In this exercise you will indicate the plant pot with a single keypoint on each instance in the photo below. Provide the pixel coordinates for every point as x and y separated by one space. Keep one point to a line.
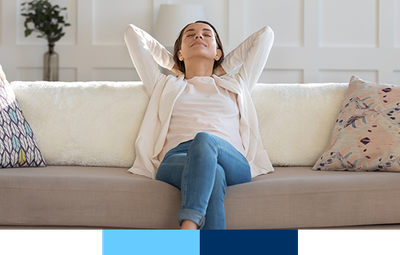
50 65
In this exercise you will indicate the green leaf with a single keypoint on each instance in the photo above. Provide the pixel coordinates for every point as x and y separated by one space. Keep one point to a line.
28 32
45 18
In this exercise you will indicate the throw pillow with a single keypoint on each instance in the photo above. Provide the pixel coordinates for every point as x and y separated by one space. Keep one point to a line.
18 147
366 136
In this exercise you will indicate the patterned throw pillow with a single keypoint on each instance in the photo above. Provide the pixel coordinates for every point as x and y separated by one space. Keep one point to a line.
18 146
366 136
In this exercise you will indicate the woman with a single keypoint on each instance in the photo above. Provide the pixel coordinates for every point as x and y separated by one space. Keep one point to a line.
200 131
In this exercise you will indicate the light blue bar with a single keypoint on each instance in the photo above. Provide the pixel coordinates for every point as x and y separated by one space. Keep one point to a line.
149 242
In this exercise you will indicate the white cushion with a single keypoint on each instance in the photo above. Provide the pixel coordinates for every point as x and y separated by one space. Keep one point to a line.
96 123
296 120
84 123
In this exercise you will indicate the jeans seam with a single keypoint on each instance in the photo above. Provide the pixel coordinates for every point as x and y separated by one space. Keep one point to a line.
183 188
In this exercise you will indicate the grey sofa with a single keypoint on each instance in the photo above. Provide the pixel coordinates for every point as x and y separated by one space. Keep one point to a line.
86 132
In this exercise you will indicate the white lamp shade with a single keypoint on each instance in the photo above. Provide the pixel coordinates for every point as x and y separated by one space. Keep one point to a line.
172 18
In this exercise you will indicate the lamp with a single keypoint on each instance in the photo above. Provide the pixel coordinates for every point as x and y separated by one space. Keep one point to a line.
172 18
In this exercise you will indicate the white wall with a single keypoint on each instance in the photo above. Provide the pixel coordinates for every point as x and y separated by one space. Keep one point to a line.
315 40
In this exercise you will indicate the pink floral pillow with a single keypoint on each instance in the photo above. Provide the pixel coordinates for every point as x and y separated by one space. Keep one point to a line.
366 136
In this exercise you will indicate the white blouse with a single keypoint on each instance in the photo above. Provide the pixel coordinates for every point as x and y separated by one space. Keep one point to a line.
204 107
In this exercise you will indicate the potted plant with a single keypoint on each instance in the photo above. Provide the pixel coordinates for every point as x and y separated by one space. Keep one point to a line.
48 21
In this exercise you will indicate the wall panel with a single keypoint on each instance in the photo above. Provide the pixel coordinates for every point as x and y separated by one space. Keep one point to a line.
396 78
282 76
115 74
345 75
285 17
1 21
110 18
349 23
315 40
36 74
397 24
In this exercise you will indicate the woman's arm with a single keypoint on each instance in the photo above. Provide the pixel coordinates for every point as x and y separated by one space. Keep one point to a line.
251 56
146 52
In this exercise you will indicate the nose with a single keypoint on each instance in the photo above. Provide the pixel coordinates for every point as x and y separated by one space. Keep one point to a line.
199 36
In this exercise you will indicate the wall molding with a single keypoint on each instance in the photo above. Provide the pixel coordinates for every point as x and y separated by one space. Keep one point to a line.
305 49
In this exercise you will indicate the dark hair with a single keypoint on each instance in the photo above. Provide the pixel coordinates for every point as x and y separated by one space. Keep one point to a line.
178 43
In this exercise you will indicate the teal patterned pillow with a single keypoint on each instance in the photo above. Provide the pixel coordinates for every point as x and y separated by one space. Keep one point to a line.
18 147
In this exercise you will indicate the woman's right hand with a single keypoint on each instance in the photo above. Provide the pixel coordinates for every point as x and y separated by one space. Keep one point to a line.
175 69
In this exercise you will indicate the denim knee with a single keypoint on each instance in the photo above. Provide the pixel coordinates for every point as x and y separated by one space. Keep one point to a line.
204 144
203 137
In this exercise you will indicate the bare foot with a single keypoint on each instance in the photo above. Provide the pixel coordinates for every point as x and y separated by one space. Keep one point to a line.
188 224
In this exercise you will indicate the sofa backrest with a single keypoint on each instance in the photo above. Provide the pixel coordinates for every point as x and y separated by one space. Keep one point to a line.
296 120
96 123
84 123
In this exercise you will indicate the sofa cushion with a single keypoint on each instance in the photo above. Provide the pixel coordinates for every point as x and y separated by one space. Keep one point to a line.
104 197
84 123
96 123
297 197
86 196
18 146
366 136
296 120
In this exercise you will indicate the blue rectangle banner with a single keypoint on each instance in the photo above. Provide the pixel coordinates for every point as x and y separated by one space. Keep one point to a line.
199 242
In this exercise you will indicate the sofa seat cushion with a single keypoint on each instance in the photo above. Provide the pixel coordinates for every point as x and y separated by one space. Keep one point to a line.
86 196
297 197
291 197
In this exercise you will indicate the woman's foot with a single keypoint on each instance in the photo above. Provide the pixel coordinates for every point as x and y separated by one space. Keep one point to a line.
188 224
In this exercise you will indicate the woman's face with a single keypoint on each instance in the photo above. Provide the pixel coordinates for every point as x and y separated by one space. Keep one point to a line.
198 41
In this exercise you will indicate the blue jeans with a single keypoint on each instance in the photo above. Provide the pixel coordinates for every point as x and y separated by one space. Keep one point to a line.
202 168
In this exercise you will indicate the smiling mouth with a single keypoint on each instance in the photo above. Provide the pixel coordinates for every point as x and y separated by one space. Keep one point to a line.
198 43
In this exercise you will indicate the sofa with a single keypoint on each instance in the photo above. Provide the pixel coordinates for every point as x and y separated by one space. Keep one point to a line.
86 133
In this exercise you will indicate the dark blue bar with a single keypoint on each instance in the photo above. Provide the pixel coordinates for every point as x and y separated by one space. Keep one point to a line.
282 242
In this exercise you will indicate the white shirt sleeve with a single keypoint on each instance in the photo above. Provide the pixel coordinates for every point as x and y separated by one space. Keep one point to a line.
146 54
250 56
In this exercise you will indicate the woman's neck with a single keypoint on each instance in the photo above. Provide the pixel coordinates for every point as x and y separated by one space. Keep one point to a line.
198 68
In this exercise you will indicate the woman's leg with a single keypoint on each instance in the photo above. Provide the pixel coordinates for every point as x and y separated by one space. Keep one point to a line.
215 213
171 169
202 175
212 165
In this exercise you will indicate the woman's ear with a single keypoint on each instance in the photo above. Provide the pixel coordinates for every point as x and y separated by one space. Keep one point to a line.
218 55
180 57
